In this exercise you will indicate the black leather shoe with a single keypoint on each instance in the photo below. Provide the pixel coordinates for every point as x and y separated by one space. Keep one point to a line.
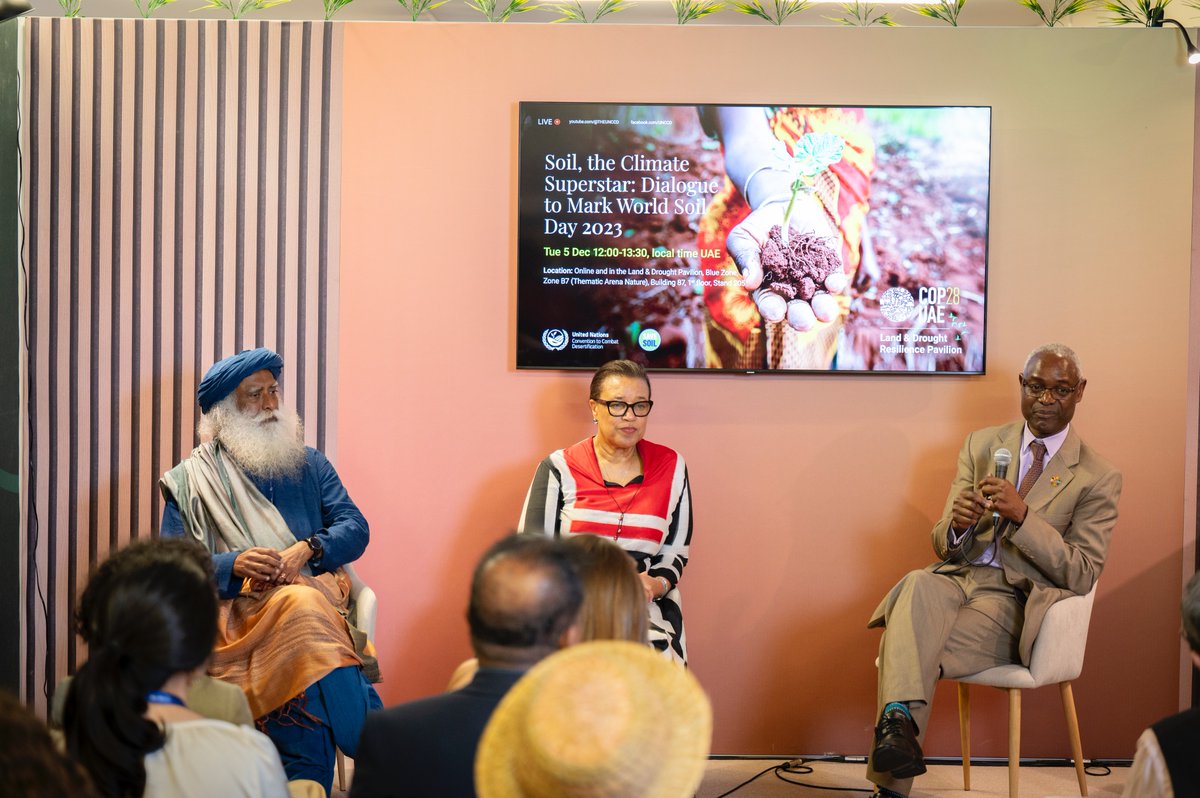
896 748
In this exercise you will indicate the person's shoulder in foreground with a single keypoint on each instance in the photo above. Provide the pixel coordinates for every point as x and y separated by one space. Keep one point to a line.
524 604
1165 764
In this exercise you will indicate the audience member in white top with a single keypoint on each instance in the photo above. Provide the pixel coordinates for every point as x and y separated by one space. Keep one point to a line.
204 757
1166 764
149 616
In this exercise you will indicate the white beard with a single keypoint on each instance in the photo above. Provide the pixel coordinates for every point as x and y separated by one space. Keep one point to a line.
265 448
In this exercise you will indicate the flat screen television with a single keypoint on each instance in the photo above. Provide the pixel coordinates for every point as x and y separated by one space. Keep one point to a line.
753 238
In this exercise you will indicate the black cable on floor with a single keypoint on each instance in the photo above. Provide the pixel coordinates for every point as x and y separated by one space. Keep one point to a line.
747 781
794 767
801 766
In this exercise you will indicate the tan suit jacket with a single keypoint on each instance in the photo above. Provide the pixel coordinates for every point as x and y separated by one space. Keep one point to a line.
1060 548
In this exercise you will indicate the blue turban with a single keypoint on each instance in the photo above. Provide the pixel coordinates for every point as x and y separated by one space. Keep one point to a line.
226 375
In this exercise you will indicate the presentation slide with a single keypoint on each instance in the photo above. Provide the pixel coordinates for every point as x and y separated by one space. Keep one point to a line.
753 238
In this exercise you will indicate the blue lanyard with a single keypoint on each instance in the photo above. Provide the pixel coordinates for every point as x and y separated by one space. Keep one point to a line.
159 697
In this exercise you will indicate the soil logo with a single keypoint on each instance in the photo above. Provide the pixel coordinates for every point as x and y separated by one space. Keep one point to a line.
897 304
555 340
649 339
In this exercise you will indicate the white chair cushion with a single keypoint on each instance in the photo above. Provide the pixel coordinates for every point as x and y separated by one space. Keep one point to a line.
1057 652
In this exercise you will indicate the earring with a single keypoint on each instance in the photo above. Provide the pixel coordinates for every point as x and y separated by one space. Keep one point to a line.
595 420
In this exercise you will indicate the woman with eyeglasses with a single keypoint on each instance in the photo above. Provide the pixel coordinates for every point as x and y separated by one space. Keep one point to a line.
623 487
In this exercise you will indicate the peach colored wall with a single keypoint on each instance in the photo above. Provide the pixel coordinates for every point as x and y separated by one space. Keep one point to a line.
812 494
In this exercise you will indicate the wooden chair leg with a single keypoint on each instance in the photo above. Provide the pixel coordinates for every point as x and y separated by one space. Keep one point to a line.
1068 702
341 769
1014 742
964 730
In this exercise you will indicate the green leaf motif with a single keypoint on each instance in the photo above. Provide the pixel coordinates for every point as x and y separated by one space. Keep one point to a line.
573 10
1056 13
863 15
1139 12
416 8
501 10
688 10
236 8
776 12
816 152
945 10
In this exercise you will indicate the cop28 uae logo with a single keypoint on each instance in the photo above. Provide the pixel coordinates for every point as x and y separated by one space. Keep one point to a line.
554 340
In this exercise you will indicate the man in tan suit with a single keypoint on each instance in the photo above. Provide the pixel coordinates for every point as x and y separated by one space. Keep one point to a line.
1010 549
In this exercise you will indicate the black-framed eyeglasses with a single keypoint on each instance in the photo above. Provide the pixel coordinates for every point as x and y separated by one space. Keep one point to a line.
617 409
1035 390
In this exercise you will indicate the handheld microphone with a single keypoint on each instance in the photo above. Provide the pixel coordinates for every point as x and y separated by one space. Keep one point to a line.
1000 462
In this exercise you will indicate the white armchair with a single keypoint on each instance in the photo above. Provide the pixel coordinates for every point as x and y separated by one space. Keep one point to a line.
366 606
1057 658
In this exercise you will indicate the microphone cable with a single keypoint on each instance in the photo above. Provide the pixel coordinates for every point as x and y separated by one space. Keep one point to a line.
795 767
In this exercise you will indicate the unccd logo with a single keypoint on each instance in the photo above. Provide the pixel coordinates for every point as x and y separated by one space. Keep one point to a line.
554 340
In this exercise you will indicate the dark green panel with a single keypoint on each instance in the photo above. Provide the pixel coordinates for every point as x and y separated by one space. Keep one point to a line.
10 358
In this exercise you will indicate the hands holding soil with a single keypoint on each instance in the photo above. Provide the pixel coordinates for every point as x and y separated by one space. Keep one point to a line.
796 280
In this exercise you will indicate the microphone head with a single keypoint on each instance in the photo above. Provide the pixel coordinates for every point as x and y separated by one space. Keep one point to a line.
1002 457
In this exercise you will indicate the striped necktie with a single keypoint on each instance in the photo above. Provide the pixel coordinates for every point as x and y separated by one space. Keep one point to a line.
1038 450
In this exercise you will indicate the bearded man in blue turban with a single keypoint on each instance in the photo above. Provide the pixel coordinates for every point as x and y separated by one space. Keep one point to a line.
280 525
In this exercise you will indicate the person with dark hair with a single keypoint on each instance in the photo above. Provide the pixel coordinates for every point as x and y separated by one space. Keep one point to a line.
614 604
525 599
279 525
618 485
1011 546
207 696
1165 765
150 615
31 766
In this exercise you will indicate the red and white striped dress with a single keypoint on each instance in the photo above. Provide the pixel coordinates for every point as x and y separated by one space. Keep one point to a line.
651 518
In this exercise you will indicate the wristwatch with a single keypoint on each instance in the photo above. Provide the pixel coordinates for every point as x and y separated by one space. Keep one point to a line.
314 545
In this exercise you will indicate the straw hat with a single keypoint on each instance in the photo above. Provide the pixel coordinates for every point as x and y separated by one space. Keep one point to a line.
599 719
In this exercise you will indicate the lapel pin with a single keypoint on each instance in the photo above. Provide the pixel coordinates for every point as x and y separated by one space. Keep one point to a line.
1056 480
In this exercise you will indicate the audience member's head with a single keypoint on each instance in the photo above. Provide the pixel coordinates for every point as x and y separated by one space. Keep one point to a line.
525 599
605 718
31 765
614 603
1190 610
148 613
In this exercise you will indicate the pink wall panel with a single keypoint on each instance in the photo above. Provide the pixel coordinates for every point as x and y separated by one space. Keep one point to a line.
812 495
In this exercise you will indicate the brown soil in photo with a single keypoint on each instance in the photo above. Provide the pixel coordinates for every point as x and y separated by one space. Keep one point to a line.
927 227
797 269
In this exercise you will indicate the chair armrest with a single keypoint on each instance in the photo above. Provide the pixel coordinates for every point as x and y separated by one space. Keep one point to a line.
366 605
1058 650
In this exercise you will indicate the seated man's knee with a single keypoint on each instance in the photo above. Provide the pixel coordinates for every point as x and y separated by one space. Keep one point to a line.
302 599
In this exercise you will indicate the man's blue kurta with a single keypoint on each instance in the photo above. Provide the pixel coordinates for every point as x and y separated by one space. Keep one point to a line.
312 503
